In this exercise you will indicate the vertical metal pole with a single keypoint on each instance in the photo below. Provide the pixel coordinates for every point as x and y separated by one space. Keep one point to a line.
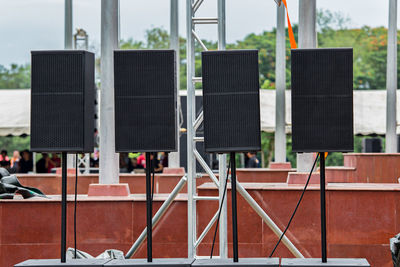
280 74
307 24
34 162
223 219
149 208
307 39
234 208
221 25
68 24
391 80
323 206
191 163
68 44
173 158
109 160
63 205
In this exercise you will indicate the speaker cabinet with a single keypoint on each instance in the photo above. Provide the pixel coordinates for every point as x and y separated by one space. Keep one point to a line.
322 100
372 145
62 101
145 101
231 101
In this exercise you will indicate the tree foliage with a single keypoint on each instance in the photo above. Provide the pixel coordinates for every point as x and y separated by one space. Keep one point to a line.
15 77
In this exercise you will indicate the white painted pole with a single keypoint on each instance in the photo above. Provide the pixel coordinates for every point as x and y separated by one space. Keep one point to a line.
68 44
68 24
190 118
391 80
109 160
223 219
280 81
307 39
173 158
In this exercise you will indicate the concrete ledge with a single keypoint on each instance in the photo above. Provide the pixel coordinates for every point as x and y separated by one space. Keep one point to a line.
115 190
301 178
243 262
280 165
164 262
168 170
70 171
68 263
331 262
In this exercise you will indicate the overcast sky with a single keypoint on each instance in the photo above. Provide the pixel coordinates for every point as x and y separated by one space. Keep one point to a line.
38 24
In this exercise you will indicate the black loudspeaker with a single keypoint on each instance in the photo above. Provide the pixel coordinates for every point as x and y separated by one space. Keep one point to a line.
145 100
372 145
231 101
322 100
62 101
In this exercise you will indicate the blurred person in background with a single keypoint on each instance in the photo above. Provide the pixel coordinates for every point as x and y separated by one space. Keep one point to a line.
26 162
252 161
124 163
14 162
141 160
164 159
54 162
133 162
4 160
42 166
135 165
94 161
156 164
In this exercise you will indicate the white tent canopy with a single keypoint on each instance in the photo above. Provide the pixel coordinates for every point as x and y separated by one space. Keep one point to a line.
369 111
15 106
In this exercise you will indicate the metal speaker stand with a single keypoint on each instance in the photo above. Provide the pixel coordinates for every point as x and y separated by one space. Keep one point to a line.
234 208
149 208
63 206
323 206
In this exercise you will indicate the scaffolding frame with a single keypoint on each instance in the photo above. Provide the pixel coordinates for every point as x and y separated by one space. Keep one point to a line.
193 124
193 155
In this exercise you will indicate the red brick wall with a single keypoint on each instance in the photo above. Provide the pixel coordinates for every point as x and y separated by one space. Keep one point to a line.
360 219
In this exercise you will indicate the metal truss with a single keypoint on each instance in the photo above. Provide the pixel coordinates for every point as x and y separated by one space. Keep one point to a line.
193 124
193 155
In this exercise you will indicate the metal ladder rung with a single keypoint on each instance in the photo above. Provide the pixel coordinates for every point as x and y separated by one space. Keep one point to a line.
205 20
205 198
197 79
198 139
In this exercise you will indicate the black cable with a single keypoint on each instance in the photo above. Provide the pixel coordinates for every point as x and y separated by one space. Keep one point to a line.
297 206
220 208
76 196
152 173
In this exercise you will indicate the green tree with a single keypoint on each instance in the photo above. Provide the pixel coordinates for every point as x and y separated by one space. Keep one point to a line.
15 77
11 143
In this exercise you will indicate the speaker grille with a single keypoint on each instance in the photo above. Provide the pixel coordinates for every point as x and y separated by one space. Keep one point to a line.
231 101
145 100
62 100
322 100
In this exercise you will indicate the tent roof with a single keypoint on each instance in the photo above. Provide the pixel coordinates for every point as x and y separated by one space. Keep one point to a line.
15 108
369 111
